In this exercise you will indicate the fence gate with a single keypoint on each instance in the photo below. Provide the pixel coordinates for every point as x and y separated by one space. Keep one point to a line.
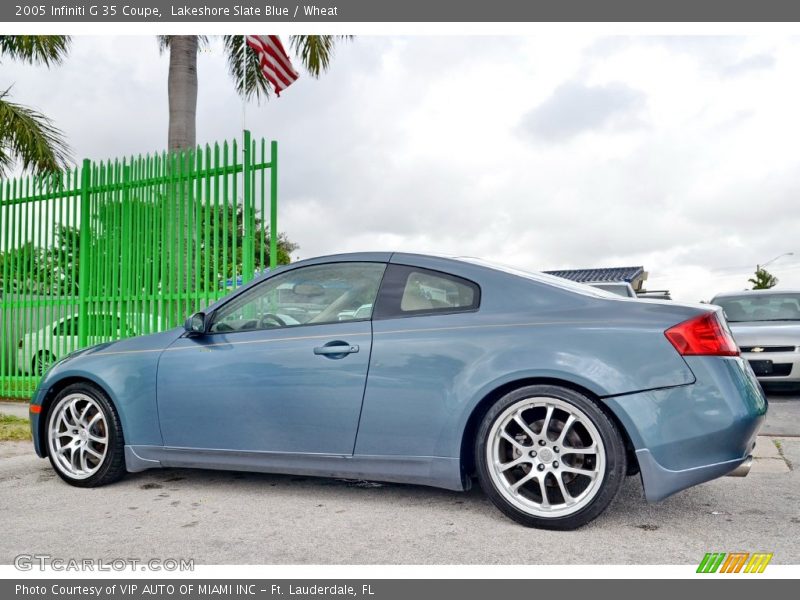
127 247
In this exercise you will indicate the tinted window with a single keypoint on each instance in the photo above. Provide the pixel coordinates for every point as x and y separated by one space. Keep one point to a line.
760 307
306 296
410 291
68 327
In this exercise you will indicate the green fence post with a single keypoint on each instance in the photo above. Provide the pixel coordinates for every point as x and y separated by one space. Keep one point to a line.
273 205
248 235
83 259
127 262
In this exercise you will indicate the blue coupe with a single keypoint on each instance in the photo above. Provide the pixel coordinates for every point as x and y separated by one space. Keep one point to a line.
417 369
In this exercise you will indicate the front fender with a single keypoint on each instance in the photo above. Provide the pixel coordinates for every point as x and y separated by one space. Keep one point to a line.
126 371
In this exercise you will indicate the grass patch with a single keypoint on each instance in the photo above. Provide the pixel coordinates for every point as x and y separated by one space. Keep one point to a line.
14 429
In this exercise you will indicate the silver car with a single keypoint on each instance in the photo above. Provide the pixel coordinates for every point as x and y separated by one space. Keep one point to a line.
766 326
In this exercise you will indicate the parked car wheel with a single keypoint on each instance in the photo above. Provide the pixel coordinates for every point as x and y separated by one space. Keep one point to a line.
84 437
42 362
549 457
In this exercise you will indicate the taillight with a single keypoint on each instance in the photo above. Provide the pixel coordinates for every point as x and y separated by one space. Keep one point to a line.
704 335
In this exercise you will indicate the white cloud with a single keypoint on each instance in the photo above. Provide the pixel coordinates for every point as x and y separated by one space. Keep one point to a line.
575 108
675 153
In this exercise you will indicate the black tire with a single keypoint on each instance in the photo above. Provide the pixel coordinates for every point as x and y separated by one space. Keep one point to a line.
112 467
42 362
614 457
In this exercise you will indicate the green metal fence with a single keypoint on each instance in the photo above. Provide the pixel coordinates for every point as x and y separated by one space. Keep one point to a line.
127 247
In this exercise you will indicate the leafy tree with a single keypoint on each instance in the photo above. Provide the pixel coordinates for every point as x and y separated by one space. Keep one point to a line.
763 279
55 271
221 220
221 247
43 271
28 137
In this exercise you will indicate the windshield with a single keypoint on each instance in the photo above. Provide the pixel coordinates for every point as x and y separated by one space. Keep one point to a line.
758 307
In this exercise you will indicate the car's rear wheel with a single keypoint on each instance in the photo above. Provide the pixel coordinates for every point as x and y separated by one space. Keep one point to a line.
84 437
549 457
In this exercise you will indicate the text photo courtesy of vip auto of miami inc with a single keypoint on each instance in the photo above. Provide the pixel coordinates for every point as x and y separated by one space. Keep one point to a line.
396 297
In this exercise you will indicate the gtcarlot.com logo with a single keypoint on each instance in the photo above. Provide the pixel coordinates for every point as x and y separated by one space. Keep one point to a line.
734 562
42 562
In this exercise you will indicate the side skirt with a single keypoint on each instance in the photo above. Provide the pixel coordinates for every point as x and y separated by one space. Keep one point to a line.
434 471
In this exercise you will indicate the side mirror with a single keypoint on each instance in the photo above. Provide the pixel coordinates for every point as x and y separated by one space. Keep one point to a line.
196 324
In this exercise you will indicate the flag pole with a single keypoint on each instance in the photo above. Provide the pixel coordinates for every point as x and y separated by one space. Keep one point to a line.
247 268
244 81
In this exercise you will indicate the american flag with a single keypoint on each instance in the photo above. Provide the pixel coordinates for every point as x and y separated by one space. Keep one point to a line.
274 61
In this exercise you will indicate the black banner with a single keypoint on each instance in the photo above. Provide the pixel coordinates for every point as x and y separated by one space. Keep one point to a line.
198 11
387 589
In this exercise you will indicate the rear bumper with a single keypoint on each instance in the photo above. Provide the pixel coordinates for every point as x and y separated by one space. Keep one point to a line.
693 433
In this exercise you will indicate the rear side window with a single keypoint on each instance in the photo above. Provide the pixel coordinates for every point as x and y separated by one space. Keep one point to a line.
410 291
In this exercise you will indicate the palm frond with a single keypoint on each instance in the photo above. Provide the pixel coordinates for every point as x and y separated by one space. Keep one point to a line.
30 138
243 60
315 51
35 49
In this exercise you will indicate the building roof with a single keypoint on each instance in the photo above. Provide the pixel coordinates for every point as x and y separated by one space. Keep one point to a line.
607 274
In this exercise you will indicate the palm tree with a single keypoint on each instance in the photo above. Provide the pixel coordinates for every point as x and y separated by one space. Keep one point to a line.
763 279
313 51
27 137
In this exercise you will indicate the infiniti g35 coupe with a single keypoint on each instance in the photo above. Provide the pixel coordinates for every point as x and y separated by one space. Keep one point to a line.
423 370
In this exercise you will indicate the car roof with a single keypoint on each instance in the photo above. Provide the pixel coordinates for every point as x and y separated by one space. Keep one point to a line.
434 261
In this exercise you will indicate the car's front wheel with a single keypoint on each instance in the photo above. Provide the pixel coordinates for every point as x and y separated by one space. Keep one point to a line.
549 457
84 437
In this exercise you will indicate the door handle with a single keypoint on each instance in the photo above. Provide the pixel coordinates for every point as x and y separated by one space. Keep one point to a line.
336 349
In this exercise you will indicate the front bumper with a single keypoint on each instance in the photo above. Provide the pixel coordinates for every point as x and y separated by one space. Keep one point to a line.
785 367
38 442
693 433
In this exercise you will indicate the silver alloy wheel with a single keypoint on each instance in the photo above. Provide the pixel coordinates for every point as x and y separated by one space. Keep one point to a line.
546 457
78 436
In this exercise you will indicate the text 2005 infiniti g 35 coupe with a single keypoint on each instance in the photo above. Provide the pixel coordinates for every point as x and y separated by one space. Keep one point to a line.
417 369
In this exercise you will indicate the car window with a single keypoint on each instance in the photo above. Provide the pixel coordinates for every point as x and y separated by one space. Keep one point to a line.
306 296
410 291
619 289
760 307
69 327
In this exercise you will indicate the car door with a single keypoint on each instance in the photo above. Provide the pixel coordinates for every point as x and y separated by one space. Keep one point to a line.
425 348
282 367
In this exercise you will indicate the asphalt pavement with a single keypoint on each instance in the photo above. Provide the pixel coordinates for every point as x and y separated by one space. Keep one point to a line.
242 518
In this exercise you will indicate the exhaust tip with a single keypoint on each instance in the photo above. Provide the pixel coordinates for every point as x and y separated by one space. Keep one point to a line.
743 469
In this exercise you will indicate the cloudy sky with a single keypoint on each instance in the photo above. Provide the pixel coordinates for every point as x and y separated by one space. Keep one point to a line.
676 153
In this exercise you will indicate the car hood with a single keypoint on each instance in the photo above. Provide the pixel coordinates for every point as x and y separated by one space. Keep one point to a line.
155 341
770 333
